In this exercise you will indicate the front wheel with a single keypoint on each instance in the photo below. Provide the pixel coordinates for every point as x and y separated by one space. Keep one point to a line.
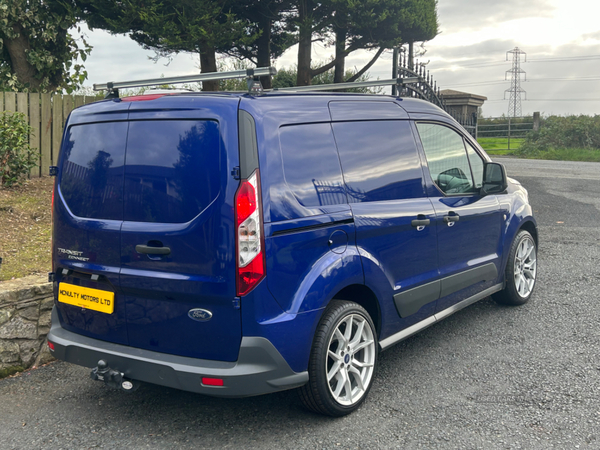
521 271
342 361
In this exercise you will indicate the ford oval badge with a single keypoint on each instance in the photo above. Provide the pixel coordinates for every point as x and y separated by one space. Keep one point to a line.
201 315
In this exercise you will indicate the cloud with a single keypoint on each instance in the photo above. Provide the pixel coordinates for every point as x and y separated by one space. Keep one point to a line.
457 15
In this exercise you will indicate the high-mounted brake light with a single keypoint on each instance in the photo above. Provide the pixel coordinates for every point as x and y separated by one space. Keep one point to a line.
250 264
142 98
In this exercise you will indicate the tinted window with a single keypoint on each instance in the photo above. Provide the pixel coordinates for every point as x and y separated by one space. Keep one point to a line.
172 170
311 165
446 158
379 160
92 171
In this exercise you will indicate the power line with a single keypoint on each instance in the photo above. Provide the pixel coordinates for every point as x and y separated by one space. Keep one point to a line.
529 100
530 80
551 59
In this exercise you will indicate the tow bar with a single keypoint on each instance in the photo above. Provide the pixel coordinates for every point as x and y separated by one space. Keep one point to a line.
113 378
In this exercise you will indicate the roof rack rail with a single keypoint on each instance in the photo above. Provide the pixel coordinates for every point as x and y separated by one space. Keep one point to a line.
250 74
350 85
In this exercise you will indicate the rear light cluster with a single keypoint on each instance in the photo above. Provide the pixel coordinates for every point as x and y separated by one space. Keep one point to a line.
250 262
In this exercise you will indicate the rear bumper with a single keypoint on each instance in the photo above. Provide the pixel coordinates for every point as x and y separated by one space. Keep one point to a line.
260 368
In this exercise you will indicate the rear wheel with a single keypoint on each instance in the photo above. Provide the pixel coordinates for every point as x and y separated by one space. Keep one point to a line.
342 361
521 271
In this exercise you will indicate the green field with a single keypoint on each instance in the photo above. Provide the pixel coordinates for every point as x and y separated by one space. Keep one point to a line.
498 145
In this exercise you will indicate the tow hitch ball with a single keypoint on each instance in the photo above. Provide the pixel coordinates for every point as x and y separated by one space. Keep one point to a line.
113 378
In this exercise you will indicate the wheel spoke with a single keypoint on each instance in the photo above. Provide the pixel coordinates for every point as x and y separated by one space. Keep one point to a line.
348 331
362 345
525 286
357 376
361 364
341 382
340 337
334 356
348 387
335 369
358 335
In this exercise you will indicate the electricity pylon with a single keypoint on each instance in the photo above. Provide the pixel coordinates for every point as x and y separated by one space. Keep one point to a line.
515 90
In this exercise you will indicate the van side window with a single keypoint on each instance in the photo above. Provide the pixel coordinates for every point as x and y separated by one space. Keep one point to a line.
379 160
311 165
447 158
172 169
476 165
92 170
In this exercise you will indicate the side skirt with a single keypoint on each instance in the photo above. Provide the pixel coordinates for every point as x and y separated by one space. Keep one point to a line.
407 332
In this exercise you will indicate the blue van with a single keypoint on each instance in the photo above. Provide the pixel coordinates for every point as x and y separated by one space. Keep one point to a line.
237 244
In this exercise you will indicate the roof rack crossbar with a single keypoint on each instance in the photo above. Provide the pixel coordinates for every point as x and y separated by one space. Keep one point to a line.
354 84
212 76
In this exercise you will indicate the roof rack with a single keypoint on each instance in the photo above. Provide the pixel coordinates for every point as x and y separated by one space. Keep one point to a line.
250 74
350 85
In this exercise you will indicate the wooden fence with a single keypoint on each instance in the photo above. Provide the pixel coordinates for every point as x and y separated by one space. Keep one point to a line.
46 114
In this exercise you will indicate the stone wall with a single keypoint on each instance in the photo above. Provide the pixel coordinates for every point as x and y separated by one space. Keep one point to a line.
25 309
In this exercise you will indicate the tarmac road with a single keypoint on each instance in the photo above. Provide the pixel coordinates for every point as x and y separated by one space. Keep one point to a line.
487 377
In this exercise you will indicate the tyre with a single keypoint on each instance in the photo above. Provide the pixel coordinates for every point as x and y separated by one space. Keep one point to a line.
342 361
521 271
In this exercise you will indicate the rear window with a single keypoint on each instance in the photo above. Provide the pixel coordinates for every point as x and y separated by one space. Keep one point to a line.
172 170
146 171
92 173
311 164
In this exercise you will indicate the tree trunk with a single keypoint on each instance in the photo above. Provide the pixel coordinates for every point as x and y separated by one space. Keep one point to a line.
264 50
208 63
367 66
340 55
17 50
304 42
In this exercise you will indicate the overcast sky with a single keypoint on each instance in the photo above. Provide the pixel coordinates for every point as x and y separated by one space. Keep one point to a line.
561 39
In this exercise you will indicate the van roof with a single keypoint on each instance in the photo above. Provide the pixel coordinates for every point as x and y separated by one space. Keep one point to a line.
410 105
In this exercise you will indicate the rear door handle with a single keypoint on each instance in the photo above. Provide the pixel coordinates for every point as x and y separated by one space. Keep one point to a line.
147 250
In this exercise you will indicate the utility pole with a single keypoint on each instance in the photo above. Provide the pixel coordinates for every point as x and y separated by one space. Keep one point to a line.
395 68
515 90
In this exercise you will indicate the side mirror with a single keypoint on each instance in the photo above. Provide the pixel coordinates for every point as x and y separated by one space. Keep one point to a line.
494 179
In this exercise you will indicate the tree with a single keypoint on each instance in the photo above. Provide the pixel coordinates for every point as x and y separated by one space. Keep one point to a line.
264 20
37 53
361 24
172 26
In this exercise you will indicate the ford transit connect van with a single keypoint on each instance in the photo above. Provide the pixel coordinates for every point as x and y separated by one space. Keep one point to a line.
237 244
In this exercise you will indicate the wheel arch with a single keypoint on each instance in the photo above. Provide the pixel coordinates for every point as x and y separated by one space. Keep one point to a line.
365 297
531 228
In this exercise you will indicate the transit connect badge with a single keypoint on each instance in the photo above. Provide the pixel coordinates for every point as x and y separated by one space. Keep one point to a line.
201 315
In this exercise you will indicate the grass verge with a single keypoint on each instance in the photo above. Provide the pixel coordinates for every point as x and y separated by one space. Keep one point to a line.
26 228
565 154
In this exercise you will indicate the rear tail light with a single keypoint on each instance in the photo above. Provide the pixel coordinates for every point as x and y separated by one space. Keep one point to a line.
250 264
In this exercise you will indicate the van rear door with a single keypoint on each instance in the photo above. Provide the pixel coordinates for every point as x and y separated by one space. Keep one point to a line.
177 241
87 219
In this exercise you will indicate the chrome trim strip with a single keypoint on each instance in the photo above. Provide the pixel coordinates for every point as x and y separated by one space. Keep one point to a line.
407 332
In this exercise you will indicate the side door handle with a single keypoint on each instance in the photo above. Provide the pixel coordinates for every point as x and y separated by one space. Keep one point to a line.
420 222
451 217
147 250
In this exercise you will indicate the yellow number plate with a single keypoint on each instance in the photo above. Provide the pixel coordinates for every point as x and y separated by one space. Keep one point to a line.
88 298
